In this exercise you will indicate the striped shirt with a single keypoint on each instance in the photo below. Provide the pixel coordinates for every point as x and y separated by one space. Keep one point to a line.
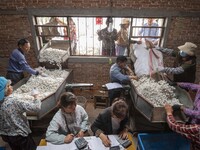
192 132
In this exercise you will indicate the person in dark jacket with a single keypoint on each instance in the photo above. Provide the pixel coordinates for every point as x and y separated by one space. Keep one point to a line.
108 36
113 120
184 69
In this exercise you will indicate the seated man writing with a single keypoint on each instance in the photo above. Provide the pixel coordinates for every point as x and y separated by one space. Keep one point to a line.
113 120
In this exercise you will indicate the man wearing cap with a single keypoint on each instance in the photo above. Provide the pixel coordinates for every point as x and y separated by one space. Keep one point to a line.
122 41
17 62
14 126
184 69
108 36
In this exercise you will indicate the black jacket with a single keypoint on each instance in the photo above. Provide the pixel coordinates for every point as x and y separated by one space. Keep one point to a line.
104 123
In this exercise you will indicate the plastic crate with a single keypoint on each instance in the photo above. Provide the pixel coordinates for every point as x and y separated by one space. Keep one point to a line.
162 141
81 100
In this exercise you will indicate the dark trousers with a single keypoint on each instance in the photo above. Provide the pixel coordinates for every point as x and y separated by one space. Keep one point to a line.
14 76
114 93
19 142
120 92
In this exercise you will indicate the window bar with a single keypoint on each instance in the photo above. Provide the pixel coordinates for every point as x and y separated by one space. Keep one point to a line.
38 38
162 30
93 35
86 35
68 33
78 36
100 43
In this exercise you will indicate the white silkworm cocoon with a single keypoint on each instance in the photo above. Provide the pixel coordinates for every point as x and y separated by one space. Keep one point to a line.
45 85
52 55
157 93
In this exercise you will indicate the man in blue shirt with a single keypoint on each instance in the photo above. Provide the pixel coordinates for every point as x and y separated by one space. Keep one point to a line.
151 31
18 64
120 73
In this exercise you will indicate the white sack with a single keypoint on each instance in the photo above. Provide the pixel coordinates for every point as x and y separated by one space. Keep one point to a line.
145 60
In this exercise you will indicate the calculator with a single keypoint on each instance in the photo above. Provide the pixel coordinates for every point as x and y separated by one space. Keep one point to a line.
125 143
115 148
81 143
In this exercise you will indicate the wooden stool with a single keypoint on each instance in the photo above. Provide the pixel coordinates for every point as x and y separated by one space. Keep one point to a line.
43 142
101 99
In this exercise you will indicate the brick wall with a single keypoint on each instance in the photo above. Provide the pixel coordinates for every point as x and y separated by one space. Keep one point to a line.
13 28
183 5
14 24
96 73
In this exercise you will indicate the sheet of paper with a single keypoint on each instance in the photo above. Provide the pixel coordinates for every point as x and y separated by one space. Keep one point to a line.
70 146
114 85
113 139
42 148
94 143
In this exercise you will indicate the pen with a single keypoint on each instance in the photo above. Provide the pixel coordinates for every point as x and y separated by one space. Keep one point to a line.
109 141
89 148
108 138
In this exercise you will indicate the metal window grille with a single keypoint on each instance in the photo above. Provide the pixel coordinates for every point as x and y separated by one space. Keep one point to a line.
80 33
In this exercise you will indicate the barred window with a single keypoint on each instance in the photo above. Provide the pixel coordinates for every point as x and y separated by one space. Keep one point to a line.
148 28
78 35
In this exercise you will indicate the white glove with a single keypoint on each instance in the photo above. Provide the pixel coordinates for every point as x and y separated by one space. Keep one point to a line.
34 92
40 69
43 74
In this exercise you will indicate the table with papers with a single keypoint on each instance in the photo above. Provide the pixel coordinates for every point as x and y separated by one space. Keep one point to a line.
94 143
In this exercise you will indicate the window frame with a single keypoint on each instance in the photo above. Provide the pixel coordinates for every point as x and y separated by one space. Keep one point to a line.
96 13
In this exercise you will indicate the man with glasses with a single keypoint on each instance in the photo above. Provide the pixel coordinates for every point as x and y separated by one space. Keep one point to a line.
122 74
184 68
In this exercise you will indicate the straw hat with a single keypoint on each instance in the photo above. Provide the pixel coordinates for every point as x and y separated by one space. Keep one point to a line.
189 48
125 21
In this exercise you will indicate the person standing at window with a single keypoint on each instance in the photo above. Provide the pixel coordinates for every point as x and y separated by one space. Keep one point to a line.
50 30
148 30
108 36
123 41
17 62
72 33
